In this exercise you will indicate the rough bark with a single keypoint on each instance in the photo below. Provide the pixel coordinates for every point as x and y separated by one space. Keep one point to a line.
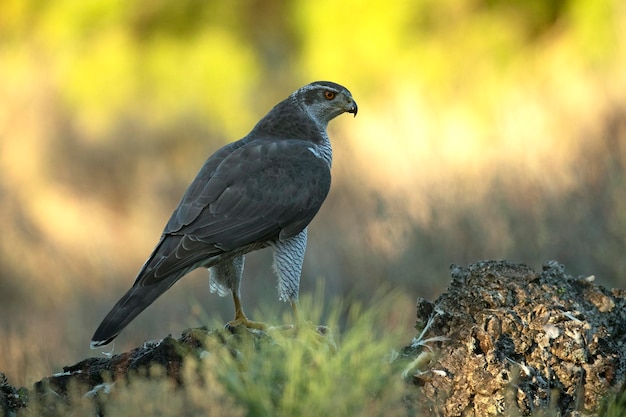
517 341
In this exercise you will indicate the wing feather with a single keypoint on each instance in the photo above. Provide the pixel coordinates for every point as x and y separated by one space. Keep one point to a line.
262 191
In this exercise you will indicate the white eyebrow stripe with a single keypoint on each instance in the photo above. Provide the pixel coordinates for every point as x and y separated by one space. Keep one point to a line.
314 86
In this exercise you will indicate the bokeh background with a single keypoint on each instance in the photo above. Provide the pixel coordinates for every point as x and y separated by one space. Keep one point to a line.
487 129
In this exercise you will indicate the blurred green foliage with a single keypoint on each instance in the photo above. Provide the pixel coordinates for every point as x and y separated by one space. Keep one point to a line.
279 373
487 129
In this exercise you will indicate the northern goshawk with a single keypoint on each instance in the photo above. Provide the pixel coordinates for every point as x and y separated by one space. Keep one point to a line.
260 191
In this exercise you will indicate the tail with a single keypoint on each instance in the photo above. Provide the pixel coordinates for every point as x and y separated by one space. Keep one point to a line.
172 258
136 300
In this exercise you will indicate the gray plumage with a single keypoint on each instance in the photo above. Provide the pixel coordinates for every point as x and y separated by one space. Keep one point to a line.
260 191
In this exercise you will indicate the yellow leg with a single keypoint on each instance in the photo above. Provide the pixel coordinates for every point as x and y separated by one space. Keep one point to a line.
296 317
241 319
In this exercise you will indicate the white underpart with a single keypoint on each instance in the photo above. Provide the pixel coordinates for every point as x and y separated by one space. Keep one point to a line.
225 277
288 258
323 151
216 287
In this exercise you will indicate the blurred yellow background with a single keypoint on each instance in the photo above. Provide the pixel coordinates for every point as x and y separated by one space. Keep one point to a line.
487 129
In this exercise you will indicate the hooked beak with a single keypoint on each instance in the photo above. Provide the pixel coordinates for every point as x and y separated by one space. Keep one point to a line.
351 107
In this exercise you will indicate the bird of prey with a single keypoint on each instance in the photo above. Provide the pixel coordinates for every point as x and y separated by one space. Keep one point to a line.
260 191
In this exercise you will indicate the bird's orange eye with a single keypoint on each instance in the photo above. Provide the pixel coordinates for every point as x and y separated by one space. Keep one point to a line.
329 94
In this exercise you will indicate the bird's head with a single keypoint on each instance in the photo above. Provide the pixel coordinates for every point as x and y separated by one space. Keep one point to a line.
325 100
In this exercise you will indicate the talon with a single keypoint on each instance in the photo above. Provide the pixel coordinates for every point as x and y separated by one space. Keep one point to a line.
243 321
